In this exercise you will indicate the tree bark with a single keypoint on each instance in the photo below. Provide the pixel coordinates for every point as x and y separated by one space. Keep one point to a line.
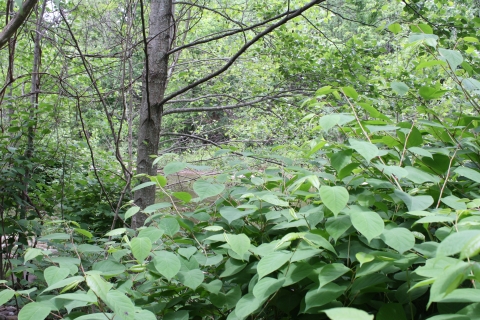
154 83
16 22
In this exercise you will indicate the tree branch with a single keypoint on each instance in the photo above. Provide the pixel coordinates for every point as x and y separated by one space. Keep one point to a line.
16 22
240 52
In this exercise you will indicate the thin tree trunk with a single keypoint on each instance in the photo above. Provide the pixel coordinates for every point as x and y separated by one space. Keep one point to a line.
154 82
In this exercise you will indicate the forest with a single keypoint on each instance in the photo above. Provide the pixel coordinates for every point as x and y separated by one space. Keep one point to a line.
240 159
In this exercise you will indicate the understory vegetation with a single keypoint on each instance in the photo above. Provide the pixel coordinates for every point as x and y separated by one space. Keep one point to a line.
332 171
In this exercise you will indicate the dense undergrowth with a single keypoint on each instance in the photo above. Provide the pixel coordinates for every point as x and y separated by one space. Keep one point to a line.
373 218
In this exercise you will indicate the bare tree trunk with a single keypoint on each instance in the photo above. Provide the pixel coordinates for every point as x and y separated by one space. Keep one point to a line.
154 82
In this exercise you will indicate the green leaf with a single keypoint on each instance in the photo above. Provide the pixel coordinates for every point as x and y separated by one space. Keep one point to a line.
368 223
449 317
247 305
151 233
429 39
400 239
350 92
329 121
454 203
120 304
238 243
453 57
109 268
347 314
421 28
337 226
32 253
363 257
365 149
428 64
206 189
34 311
331 272
116 232
187 252
54 274
91 298
272 262
340 159
471 248
141 248
391 311
468 173
334 198
214 286
231 213
98 285
417 203
184 196
84 232
89 248
232 266
399 87
177 315
321 296
451 278
395 28
6 295
430 93
456 242
64 283
420 151
267 286
419 177
174 167
192 278
167 264
169 226
273 199
144 185
131 212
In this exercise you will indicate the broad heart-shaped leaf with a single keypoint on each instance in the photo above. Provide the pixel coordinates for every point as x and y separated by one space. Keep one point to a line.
453 57
266 287
368 223
214 286
273 199
334 198
192 278
347 314
174 167
329 121
247 305
340 159
414 203
167 264
6 295
399 87
187 252
331 272
64 283
169 226
468 173
395 28
34 311
238 243
337 226
317 297
54 274
231 213
400 239
141 248
32 253
272 261
364 148
454 203
456 242
120 304
206 189
152 233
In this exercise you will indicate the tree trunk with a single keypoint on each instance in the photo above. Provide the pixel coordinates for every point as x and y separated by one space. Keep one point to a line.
154 83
